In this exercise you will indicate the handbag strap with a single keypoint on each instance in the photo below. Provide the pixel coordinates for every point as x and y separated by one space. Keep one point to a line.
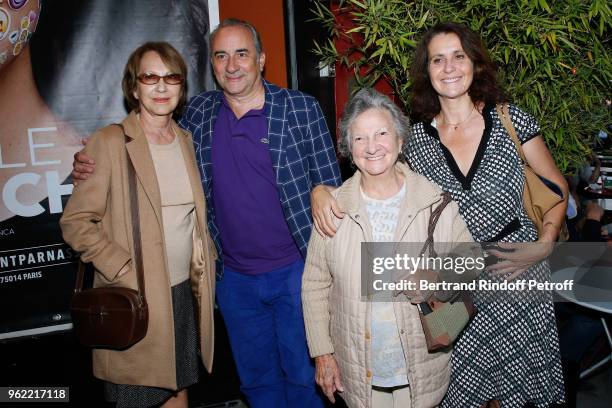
503 111
135 232
78 285
135 222
433 221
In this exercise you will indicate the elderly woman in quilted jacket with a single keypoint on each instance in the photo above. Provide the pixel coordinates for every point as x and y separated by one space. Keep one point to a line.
374 353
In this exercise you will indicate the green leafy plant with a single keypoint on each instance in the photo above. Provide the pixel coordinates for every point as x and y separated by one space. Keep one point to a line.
553 55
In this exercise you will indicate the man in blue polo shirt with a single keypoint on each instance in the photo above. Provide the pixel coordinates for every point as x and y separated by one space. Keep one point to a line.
261 149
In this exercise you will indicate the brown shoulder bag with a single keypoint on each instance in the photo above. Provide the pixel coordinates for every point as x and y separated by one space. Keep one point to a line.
538 197
113 317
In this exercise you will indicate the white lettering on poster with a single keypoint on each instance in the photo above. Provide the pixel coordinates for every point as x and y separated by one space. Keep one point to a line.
7 231
54 189
34 146
33 257
8 165
20 277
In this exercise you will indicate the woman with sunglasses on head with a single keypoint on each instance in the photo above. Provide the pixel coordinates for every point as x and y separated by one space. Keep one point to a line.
178 253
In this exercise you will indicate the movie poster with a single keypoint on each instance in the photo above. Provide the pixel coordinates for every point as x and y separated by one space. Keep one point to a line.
61 63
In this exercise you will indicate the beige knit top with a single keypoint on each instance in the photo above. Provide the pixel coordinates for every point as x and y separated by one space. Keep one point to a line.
178 207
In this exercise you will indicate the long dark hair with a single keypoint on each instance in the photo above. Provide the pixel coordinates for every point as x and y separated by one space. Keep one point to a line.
485 88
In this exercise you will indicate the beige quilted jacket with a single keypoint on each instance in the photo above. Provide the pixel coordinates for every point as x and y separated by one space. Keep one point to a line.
338 320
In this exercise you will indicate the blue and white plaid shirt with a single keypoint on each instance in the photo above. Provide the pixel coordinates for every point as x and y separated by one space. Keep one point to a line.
300 146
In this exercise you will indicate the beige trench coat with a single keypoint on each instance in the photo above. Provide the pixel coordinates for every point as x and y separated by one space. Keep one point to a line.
338 321
97 223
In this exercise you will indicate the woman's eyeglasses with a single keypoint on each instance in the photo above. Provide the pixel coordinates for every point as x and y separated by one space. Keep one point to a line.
152 79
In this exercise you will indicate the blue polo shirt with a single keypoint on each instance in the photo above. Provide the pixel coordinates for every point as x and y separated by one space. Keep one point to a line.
253 230
300 146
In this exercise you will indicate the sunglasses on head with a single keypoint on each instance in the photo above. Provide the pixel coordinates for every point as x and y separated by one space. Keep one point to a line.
152 79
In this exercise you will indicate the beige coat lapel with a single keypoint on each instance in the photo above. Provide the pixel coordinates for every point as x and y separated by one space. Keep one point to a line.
194 176
138 150
202 262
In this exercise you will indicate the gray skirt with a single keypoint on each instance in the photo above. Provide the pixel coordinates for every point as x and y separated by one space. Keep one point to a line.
187 360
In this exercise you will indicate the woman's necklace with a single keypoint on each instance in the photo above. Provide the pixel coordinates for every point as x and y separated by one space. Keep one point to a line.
456 125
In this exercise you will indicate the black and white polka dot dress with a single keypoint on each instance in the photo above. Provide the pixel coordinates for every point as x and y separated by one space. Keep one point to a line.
510 351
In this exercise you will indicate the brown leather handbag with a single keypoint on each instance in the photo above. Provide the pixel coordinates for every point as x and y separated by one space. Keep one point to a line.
113 317
443 322
538 194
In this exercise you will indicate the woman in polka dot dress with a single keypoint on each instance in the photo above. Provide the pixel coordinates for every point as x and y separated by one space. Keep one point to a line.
509 354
